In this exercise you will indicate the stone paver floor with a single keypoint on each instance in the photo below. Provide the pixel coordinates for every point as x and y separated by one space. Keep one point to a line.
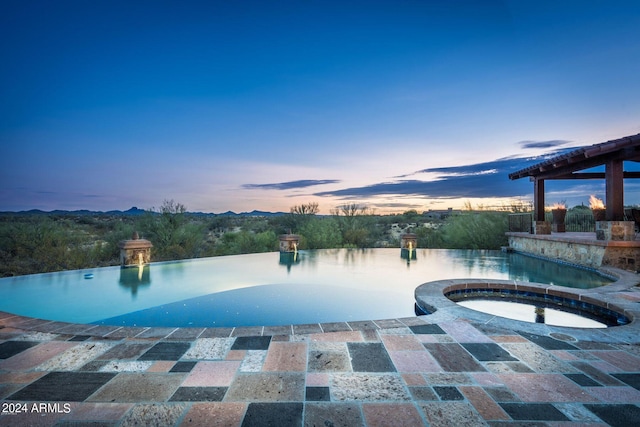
398 372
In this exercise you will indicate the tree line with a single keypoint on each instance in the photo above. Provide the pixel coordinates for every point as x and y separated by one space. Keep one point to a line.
44 242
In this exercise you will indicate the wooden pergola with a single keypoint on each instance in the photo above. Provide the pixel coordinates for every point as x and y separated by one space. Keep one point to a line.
611 154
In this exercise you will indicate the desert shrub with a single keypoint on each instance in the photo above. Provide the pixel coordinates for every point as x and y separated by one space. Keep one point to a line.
475 230
320 233
429 237
355 222
174 234
39 244
245 242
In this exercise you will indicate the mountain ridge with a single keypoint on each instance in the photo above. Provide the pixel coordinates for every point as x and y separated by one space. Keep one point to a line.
135 211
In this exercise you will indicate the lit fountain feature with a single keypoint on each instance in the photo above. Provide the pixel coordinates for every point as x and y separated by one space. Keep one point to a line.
289 242
408 244
135 252
289 249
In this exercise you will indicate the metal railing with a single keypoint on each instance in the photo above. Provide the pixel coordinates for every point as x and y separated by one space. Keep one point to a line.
578 222
521 223
574 222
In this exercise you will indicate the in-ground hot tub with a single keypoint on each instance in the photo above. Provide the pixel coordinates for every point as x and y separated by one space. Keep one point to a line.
525 301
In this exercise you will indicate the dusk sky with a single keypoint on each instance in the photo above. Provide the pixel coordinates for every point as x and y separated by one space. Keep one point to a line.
242 105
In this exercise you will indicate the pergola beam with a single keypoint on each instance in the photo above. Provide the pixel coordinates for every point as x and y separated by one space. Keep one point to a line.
627 148
596 175
553 171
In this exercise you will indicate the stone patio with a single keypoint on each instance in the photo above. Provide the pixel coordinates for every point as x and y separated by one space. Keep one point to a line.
429 370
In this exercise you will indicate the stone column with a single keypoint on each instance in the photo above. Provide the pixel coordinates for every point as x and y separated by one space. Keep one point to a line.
541 227
615 230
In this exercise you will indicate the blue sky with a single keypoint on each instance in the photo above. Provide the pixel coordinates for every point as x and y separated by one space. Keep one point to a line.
264 105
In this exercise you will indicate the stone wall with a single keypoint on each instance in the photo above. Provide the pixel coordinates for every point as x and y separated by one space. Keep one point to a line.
594 254
623 258
587 255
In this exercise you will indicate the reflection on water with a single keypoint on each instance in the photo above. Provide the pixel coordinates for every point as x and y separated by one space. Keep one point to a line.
532 313
289 259
481 261
531 269
408 254
133 278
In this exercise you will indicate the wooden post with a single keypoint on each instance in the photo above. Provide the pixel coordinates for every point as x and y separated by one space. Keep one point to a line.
614 178
538 200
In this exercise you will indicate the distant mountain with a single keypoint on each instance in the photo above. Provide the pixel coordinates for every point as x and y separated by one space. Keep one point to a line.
263 213
252 213
55 212
134 211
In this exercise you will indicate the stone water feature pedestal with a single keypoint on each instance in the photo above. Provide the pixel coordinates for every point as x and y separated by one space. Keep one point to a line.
408 245
135 251
289 242
289 250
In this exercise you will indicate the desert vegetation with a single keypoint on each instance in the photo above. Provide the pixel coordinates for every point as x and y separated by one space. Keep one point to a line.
37 243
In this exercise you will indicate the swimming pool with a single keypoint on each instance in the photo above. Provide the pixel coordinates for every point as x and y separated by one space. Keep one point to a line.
330 285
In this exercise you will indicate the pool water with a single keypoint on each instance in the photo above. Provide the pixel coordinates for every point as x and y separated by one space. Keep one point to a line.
531 313
330 285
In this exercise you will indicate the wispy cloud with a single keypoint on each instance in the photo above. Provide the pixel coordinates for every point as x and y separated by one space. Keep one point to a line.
397 205
479 180
494 167
543 144
494 185
303 183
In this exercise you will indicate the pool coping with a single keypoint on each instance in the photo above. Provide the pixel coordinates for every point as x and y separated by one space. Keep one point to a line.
622 296
177 333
